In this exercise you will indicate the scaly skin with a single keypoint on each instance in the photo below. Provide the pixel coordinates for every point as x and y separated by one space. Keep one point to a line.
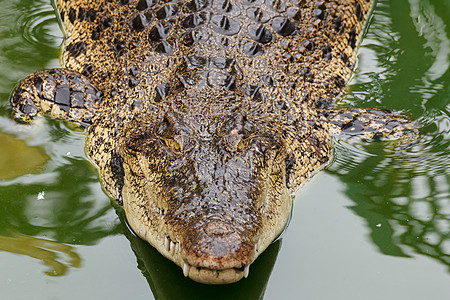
205 115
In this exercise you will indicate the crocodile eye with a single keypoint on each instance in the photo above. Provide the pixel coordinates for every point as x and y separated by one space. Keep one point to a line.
180 143
242 144
176 146
173 145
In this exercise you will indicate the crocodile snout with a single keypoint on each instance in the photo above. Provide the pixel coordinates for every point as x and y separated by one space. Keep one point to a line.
218 245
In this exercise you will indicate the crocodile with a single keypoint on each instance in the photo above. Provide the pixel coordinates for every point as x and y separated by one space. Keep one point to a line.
203 117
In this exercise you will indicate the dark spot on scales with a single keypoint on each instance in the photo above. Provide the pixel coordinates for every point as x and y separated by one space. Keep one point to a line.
37 82
160 32
252 49
344 57
161 92
194 20
194 36
164 48
91 14
307 44
62 95
118 172
319 13
260 33
107 23
119 46
321 5
225 5
337 23
257 14
358 11
132 82
196 5
339 81
76 49
326 50
224 41
81 14
352 37
96 33
144 4
141 21
282 105
167 11
133 71
88 70
283 26
72 15
224 25
289 161
252 91
294 13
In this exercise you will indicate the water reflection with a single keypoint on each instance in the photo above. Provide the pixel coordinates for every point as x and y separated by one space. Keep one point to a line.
47 251
18 158
49 203
403 191
29 42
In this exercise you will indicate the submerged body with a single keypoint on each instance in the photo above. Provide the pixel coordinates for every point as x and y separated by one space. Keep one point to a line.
205 115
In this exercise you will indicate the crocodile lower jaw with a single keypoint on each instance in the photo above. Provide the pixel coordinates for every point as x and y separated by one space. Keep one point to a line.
212 276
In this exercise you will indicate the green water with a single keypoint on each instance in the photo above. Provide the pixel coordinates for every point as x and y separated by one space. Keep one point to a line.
374 225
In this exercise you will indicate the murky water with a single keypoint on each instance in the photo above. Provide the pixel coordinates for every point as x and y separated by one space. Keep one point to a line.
375 225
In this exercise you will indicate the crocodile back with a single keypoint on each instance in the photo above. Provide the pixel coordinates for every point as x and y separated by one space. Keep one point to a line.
263 49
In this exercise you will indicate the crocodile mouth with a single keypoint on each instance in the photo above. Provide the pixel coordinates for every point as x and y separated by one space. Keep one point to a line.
205 274
205 270
208 274
213 276
211 273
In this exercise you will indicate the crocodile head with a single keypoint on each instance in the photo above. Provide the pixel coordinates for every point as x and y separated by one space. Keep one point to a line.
209 193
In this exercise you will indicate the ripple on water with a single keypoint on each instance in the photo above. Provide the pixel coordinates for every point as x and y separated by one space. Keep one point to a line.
40 27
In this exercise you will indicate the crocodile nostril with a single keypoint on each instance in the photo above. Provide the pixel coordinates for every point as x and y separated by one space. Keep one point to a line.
218 228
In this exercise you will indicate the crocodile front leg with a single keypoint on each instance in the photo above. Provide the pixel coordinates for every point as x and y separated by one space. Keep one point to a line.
373 123
59 93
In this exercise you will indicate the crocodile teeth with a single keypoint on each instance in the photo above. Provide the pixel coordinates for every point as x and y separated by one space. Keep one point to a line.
166 243
186 268
246 271
171 247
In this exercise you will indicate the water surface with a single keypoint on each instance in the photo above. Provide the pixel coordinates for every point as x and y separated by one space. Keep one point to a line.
374 225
